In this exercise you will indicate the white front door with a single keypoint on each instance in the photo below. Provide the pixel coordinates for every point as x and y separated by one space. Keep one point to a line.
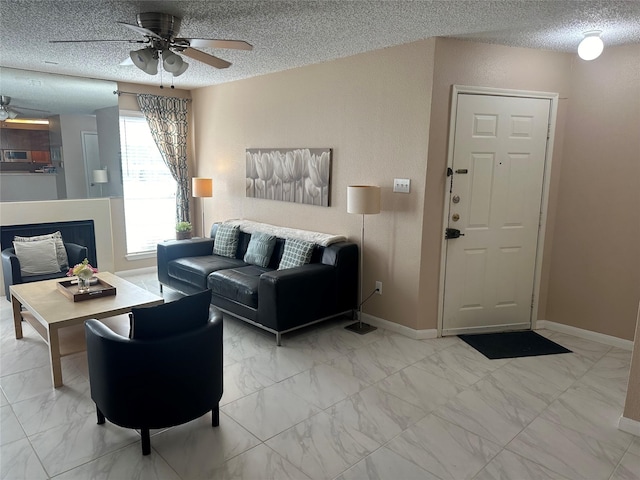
495 199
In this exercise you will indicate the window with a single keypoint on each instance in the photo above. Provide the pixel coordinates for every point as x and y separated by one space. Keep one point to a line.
149 188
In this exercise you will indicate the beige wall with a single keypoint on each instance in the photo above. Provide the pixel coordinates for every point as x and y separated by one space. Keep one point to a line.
373 110
595 275
381 111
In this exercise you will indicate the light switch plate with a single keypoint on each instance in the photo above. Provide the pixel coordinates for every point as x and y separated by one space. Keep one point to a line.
402 185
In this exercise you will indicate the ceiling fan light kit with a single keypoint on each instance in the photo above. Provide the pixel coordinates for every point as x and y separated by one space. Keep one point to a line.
160 31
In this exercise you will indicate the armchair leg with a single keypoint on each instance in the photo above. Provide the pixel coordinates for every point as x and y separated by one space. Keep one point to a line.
100 416
278 339
146 441
215 415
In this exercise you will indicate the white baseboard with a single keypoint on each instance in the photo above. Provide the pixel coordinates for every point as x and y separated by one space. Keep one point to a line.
586 334
630 426
401 329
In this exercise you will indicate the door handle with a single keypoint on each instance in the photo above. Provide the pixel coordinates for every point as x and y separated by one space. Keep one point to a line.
450 233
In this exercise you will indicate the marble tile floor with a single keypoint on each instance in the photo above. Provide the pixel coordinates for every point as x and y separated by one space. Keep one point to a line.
330 404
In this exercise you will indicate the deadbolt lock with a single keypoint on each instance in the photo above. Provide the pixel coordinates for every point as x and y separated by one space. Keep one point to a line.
455 217
455 199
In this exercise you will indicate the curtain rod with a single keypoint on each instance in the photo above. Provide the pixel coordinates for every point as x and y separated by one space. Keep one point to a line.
122 92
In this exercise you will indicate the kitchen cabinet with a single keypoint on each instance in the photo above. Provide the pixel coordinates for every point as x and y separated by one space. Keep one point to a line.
40 156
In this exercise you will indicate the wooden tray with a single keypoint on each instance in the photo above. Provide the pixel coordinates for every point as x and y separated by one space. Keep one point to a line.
69 289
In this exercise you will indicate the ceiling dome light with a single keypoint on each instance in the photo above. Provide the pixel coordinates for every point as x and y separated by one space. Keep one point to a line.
591 45
145 59
3 114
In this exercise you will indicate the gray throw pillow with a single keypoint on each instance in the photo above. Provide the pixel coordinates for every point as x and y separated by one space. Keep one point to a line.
296 253
226 241
37 257
61 252
172 318
260 249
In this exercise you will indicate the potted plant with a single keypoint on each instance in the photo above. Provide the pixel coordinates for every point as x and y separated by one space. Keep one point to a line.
183 230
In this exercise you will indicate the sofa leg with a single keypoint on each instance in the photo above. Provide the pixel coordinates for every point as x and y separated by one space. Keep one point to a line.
215 415
146 441
160 288
278 339
100 416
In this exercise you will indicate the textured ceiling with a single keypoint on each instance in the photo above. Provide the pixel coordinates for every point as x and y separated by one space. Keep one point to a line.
289 34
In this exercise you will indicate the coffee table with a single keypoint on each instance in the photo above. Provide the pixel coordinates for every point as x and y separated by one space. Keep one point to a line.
52 314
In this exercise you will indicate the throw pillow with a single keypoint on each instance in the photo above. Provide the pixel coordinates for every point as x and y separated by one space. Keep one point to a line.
37 257
61 252
226 240
260 249
296 253
171 318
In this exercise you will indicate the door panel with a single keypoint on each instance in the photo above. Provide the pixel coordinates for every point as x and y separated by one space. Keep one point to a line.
501 143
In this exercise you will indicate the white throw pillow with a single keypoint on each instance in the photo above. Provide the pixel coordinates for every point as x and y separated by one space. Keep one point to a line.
37 257
61 252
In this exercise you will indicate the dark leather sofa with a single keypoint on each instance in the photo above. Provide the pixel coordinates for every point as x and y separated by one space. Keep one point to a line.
11 266
278 301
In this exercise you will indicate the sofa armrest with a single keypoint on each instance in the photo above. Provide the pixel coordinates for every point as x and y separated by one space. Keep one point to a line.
10 270
77 253
288 296
172 249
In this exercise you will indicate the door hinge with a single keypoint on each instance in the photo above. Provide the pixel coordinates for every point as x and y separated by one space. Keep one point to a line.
548 131
533 300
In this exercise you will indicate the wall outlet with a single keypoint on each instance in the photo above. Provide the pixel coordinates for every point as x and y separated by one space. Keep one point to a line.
379 288
402 185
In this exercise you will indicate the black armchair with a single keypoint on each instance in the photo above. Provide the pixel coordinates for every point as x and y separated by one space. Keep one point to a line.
11 266
159 382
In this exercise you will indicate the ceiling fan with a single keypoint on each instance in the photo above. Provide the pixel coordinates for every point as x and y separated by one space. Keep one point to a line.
160 32
11 112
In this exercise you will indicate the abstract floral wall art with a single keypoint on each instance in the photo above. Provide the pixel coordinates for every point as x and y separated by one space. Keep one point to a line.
300 175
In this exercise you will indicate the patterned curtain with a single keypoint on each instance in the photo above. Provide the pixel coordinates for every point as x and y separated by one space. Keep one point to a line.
167 119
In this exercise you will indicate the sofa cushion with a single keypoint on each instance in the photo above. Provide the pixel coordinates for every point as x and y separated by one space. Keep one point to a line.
194 270
260 249
37 257
238 284
296 253
61 252
173 318
226 241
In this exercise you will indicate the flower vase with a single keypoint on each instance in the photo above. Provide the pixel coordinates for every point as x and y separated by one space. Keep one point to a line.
84 283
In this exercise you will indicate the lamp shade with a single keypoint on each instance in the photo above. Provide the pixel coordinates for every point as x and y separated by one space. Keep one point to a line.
100 176
145 59
202 187
364 199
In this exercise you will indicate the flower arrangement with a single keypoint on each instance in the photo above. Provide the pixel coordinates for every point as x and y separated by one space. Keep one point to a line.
82 270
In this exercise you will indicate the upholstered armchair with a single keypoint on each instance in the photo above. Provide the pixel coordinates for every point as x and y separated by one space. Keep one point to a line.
12 273
169 376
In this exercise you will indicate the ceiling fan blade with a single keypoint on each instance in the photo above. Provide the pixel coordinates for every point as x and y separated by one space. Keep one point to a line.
126 62
205 58
16 108
212 43
140 30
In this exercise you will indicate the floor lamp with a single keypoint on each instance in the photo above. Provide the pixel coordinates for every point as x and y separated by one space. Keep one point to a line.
100 177
365 200
202 188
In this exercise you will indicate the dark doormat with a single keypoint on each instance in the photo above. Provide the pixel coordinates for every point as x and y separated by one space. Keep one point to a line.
513 344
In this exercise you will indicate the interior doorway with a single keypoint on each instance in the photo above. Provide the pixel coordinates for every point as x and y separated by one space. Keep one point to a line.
498 169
